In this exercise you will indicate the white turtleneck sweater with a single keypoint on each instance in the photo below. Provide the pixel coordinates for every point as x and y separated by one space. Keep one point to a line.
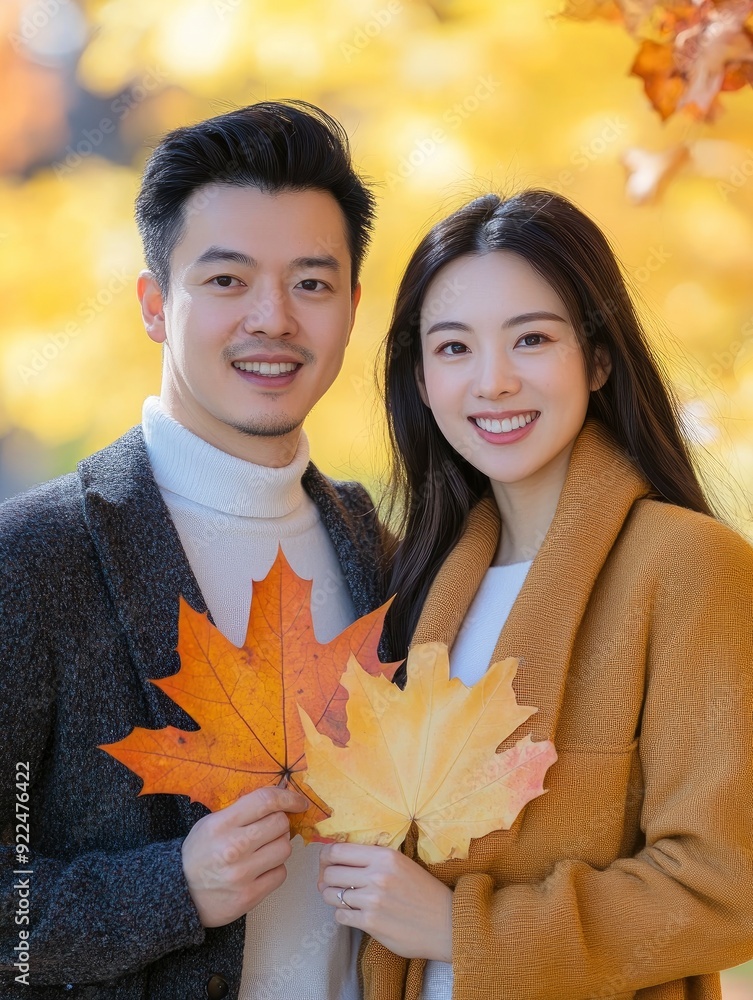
470 658
231 515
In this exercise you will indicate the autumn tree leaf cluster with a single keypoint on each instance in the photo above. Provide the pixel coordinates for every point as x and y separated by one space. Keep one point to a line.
689 52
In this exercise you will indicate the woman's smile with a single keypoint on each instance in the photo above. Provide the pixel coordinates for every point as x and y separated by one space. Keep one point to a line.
504 428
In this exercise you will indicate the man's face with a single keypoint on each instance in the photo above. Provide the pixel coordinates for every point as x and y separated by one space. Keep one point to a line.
257 316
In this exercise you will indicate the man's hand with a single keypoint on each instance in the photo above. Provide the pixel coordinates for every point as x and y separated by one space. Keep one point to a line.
234 858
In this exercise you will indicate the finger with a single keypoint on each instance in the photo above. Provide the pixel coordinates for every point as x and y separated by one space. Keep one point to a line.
355 855
263 801
343 875
242 841
270 880
265 859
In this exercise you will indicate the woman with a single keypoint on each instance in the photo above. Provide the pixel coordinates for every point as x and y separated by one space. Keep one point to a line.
521 392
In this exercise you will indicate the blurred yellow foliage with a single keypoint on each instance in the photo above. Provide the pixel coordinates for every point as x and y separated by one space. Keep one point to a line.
442 101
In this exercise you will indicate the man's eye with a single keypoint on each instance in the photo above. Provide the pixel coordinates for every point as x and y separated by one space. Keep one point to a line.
453 348
224 280
310 284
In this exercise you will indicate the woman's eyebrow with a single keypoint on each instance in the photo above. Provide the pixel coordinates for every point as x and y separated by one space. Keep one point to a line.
448 324
531 317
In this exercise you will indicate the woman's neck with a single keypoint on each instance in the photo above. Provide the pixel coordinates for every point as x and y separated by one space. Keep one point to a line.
527 509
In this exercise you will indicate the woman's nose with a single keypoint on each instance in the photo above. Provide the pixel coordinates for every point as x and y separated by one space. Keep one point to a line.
496 376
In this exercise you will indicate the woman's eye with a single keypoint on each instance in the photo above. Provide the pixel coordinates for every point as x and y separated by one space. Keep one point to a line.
453 348
537 338
224 280
310 284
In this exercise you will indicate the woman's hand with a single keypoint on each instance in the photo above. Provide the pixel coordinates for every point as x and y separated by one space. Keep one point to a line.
393 899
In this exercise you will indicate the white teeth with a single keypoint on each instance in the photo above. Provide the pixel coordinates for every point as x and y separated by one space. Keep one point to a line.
266 367
506 425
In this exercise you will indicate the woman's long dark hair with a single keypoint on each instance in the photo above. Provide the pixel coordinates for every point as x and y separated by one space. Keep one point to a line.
432 487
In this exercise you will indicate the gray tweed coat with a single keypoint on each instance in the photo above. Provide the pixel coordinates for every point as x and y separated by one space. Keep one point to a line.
91 568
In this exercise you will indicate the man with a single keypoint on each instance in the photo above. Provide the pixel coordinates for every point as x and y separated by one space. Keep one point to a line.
254 226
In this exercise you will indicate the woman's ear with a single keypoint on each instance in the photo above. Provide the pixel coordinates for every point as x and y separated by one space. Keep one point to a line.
419 375
603 368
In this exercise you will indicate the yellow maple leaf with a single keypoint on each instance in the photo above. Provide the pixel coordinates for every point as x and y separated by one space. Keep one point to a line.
426 754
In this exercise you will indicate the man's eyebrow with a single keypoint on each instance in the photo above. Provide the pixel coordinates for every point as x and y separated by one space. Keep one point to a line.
215 254
326 261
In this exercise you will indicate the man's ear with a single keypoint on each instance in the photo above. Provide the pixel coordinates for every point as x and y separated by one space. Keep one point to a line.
152 306
603 368
354 300
419 375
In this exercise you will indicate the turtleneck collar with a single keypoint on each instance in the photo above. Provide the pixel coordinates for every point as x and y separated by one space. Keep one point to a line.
192 468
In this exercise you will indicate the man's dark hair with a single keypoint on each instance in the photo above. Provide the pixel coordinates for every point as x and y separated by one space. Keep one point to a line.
273 146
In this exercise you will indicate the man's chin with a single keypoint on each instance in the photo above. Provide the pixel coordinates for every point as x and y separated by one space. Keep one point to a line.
267 428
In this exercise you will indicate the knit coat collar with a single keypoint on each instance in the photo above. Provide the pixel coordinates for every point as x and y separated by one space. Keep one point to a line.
601 486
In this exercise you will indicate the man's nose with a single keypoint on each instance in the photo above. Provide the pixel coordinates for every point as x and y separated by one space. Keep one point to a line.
270 315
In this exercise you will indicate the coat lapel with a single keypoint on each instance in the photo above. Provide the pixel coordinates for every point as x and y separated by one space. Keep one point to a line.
144 566
361 576
601 487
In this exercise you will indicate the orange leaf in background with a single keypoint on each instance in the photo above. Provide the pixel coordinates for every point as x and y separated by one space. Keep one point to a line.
690 51
246 700
715 54
427 755
664 86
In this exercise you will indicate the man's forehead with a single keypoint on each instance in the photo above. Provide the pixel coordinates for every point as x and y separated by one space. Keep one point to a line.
246 219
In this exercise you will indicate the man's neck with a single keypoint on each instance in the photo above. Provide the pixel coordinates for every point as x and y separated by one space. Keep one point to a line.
273 452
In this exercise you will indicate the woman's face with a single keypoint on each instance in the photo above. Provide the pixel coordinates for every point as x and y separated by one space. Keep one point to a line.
503 373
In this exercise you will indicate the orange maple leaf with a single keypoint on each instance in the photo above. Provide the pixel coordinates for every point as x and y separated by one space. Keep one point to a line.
245 700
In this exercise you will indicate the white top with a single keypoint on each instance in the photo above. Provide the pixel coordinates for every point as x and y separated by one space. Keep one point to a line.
230 516
470 658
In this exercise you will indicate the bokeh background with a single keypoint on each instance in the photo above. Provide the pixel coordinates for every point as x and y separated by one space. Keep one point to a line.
443 100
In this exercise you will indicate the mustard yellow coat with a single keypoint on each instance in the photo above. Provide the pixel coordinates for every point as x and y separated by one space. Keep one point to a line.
632 876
